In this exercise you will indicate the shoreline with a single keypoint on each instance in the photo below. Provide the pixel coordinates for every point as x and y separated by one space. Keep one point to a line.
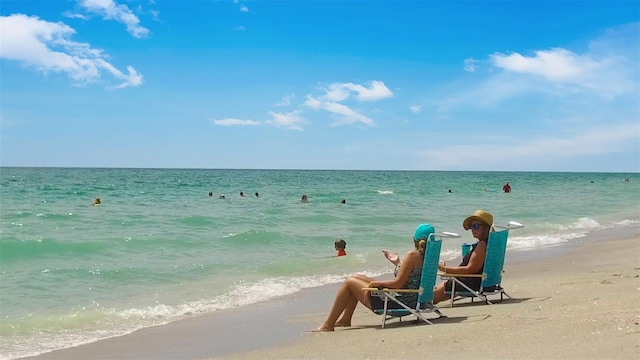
276 328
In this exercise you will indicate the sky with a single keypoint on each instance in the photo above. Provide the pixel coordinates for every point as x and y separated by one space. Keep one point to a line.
358 85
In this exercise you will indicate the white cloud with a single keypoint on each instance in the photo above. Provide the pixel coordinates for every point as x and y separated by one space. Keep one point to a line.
555 65
342 91
535 151
608 69
46 47
470 65
71 15
345 114
415 108
338 92
286 120
603 73
239 28
110 10
232 121
244 8
286 100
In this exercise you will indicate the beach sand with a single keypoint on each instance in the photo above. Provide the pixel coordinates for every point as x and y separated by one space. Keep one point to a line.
580 301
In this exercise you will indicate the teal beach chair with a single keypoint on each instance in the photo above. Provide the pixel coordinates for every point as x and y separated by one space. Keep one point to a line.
425 291
492 272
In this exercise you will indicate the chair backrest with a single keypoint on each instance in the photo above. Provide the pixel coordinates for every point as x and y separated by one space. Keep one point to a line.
494 260
430 268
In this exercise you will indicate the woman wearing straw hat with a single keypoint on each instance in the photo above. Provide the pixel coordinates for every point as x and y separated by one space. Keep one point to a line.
480 224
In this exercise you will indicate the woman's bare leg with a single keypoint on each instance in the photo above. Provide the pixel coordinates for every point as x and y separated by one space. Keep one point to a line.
350 291
438 293
345 320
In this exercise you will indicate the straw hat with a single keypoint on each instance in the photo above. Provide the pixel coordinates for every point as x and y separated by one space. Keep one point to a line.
480 215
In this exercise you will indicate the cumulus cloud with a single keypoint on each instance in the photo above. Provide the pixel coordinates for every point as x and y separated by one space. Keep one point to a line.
608 69
235 122
46 46
342 91
345 115
286 120
336 93
605 71
328 101
555 64
244 8
111 10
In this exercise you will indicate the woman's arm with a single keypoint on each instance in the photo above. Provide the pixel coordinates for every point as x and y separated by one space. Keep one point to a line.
408 263
475 262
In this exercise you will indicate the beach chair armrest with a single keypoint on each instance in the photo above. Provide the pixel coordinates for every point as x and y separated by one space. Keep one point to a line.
393 290
442 274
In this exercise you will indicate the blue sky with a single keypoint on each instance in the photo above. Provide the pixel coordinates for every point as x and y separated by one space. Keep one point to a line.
391 85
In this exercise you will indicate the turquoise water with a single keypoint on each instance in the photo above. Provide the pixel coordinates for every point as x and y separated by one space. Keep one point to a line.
159 248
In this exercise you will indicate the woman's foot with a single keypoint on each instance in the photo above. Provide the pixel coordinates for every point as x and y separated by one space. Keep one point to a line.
342 323
394 258
322 328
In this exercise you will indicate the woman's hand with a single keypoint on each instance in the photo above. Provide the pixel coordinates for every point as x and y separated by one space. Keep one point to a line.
393 258
442 266
375 284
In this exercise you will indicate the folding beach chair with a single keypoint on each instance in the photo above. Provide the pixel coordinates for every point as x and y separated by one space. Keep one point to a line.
492 272
425 291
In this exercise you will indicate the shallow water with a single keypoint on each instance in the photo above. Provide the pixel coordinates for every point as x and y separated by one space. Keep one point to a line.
159 248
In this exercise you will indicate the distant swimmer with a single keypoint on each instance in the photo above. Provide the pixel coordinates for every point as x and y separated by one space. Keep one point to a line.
210 193
506 188
96 202
304 198
257 195
341 245
221 196
241 194
343 201
450 190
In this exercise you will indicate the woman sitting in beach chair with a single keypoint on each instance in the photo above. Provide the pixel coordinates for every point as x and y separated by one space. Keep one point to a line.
353 290
480 224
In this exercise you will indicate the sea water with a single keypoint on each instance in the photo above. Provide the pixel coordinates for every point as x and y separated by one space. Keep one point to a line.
159 248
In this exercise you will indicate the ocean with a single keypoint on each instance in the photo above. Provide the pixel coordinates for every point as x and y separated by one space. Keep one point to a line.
159 248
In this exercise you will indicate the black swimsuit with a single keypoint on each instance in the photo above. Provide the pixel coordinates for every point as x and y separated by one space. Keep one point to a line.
472 282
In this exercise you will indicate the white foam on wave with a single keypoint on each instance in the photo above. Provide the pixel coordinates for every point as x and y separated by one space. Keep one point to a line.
384 192
585 223
538 241
450 254
122 322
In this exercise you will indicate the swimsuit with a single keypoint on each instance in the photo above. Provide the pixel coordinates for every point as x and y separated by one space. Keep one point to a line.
472 282
409 299
341 252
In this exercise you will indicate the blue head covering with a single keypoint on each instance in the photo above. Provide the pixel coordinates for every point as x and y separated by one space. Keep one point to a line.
423 231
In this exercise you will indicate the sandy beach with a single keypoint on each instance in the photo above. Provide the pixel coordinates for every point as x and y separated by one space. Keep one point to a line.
577 301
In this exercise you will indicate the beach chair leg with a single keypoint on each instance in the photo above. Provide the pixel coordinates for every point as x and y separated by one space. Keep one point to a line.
384 317
453 291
